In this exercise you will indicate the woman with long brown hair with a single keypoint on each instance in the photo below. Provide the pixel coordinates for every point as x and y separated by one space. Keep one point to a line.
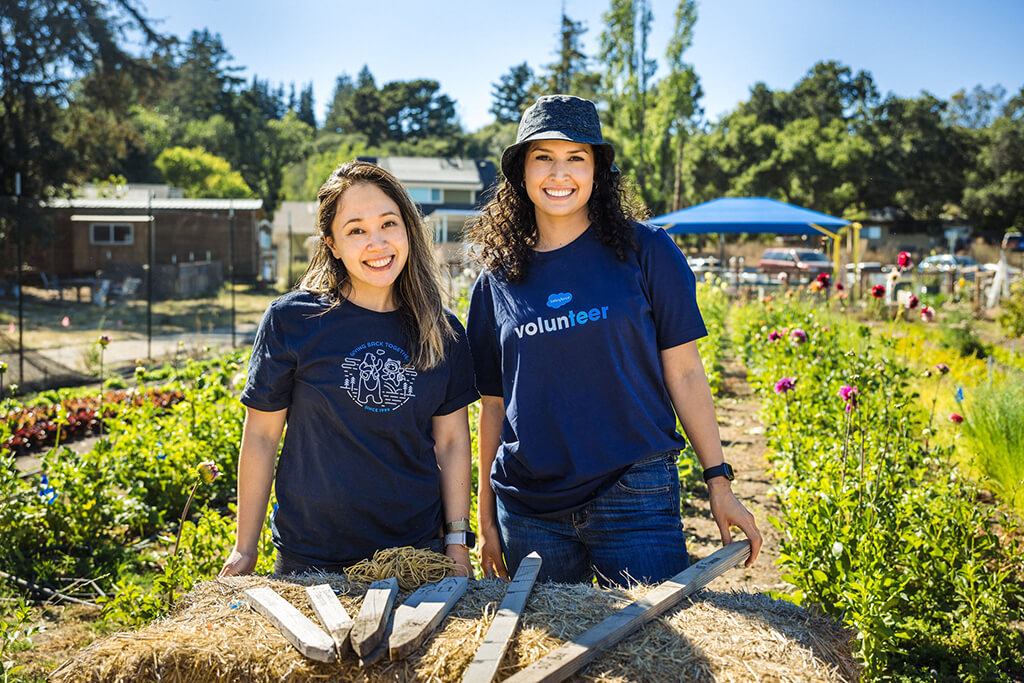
372 376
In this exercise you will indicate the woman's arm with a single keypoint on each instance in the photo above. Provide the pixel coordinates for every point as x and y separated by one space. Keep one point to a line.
260 438
492 417
453 452
691 396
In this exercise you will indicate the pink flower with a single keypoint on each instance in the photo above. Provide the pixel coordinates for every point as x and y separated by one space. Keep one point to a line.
12 328
785 384
878 291
798 336
956 418
782 277
849 394
774 336
912 302
65 321
903 260
942 368
927 314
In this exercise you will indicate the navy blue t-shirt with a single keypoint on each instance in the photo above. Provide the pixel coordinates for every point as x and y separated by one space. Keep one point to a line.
573 348
357 472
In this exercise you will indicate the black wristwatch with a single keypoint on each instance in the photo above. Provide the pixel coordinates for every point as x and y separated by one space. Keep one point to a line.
723 470
459 533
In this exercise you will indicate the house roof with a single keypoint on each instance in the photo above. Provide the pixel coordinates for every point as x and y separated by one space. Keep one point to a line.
436 170
157 204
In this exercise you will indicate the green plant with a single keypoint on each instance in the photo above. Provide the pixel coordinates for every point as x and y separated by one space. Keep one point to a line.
1012 316
994 431
960 336
15 635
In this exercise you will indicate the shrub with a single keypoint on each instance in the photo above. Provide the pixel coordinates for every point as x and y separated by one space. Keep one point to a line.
1012 316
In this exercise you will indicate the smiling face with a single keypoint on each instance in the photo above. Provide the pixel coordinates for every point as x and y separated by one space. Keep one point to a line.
369 236
559 178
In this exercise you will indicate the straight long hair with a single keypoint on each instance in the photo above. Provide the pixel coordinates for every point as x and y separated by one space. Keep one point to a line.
416 290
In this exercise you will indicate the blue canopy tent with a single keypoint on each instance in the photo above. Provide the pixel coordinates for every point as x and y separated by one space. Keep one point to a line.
754 214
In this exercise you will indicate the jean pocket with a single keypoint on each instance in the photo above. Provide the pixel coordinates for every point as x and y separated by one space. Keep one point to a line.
650 478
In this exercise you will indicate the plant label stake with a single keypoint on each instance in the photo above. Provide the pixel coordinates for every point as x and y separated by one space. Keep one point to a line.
584 648
332 615
422 612
306 636
368 628
485 665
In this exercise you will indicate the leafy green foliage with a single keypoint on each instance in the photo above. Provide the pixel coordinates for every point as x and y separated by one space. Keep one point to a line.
201 174
879 529
1011 318
994 427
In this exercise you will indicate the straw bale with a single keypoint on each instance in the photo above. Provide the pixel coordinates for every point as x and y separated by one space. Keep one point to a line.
212 636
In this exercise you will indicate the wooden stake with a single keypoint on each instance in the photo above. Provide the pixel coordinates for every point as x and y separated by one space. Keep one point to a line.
584 648
422 612
306 636
485 665
332 615
368 628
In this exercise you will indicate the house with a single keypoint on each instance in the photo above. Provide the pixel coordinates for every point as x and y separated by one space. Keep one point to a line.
448 191
194 241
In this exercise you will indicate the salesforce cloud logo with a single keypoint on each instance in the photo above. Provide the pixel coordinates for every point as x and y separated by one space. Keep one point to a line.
559 300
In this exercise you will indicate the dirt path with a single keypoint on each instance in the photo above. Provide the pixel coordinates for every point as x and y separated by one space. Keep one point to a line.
744 442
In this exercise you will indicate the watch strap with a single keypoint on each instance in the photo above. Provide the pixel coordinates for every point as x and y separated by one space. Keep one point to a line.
723 470
457 525
466 538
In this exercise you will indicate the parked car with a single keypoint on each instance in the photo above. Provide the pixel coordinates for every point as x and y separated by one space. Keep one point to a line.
943 263
1013 241
794 262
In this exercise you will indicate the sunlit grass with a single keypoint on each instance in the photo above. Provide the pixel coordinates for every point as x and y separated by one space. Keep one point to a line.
994 437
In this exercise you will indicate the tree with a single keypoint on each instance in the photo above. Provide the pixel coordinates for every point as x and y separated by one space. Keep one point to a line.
266 149
994 197
569 74
201 174
46 138
511 94
626 82
337 120
976 109
202 79
305 111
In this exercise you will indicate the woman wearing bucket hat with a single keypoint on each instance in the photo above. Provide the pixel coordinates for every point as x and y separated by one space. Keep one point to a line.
583 328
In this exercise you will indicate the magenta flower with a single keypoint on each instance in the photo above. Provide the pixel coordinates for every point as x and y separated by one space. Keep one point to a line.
878 291
927 314
956 418
912 302
942 368
903 260
65 321
798 336
774 336
785 384
849 394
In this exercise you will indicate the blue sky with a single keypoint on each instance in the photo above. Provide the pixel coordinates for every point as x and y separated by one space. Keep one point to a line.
908 46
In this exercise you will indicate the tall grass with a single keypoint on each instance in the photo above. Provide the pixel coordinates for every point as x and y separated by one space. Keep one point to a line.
994 431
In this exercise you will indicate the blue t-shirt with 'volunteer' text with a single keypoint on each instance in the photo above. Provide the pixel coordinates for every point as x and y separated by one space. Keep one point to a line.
573 349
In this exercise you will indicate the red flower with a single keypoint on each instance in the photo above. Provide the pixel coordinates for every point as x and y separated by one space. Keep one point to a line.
927 314
903 260
824 279
840 286
878 291
912 302
956 418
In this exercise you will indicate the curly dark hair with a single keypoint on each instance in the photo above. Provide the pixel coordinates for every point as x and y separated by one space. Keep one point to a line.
504 234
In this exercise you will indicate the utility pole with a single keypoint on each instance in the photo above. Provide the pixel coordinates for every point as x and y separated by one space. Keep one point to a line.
21 292
231 213
149 274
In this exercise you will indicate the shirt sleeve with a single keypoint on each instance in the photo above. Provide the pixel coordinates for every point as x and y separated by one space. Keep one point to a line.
671 291
461 390
483 338
268 385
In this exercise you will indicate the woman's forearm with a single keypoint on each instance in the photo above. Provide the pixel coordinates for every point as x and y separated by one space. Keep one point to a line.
452 448
260 438
492 417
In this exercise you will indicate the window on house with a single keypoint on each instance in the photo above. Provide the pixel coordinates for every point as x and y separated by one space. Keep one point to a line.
425 195
111 233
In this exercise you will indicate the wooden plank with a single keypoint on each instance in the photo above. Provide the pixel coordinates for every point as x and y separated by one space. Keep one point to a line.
368 628
484 666
332 615
574 655
422 613
307 637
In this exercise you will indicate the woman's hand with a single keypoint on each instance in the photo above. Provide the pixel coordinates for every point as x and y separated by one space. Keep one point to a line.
491 562
729 511
239 563
460 554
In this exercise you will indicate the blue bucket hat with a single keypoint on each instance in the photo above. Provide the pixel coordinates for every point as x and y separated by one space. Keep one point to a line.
558 117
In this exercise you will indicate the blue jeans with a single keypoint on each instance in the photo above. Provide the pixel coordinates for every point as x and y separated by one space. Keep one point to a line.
630 534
